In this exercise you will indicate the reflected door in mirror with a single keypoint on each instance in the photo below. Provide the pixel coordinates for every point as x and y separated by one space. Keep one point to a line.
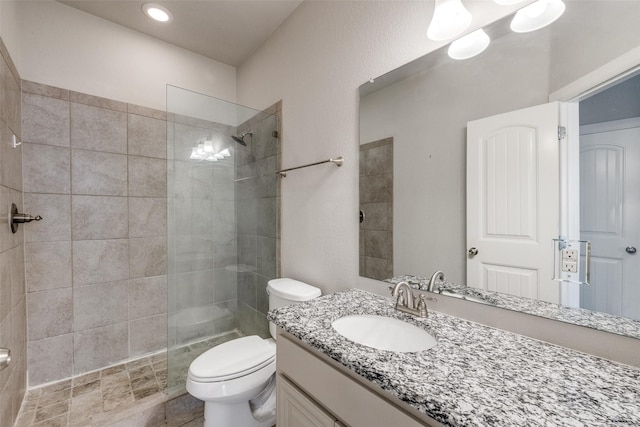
513 202
609 198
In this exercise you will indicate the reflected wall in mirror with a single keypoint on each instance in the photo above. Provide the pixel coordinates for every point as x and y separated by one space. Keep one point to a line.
425 106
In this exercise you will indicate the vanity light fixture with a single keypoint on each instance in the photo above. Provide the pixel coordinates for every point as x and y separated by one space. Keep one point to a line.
157 12
204 150
470 45
537 15
508 2
450 19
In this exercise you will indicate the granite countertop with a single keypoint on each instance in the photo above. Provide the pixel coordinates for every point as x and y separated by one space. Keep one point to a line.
577 316
476 375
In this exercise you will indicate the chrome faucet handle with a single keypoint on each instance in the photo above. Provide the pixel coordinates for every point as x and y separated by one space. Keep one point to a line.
421 306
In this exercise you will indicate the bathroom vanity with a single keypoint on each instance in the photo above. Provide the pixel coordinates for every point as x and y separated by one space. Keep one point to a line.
474 376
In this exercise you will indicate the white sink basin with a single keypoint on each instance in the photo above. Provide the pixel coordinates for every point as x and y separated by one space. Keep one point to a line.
384 333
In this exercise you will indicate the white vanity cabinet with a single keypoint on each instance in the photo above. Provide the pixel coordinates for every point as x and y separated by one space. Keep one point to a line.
297 410
314 390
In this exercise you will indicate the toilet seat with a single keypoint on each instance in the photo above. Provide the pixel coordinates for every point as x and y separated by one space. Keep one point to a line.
233 359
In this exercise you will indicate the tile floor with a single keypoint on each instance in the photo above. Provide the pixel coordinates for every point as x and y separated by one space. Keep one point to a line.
128 395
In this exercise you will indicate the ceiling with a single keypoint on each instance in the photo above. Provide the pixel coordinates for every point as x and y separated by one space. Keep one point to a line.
228 31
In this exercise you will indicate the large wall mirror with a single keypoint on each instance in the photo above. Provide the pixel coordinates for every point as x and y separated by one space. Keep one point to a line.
420 178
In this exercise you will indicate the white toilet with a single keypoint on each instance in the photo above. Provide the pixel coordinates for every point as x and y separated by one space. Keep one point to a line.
230 375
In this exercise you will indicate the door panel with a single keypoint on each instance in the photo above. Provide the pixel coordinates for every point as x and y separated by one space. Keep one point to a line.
510 280
609 206
513 184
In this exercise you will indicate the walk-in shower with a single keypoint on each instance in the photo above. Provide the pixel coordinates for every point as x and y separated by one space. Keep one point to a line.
223 203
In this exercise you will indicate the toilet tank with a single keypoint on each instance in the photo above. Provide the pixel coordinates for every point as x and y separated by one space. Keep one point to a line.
283 292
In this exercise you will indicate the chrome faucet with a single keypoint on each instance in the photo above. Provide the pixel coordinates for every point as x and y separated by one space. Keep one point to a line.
407 302
438 275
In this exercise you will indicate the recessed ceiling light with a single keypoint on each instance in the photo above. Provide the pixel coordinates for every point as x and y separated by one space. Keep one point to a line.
157 12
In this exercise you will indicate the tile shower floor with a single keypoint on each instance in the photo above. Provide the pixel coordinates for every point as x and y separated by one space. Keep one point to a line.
116 395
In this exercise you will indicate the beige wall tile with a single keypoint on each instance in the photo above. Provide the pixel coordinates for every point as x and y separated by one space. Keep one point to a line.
45 120
147 112
148 257
148 335
10 160
50 313
54 209
46 169
5 291
99 347
100 305
147 177
48 265
16 257
96 101
97 173
99 217
19 330
57 363
99 129
147 136
45 90
99 261
8 239
147 217
11 102
147 297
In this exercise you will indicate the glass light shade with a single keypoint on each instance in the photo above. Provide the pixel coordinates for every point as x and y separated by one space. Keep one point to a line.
450 19
537 15
470 45
157 12
225 153
194 154
208 146
508 2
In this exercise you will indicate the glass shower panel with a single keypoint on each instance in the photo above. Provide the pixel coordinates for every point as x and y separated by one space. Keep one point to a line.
222 224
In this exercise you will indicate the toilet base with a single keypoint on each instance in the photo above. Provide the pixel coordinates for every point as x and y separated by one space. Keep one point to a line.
231 415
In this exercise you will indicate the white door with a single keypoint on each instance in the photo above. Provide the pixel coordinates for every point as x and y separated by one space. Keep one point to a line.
513 202
609 208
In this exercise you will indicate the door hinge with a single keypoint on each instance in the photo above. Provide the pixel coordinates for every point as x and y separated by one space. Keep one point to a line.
562 133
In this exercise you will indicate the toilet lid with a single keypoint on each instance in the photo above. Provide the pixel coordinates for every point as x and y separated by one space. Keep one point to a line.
233 359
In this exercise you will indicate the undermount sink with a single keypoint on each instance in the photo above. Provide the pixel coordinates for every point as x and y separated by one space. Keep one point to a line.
384 333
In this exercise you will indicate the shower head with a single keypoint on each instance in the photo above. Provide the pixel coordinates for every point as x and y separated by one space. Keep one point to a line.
240 139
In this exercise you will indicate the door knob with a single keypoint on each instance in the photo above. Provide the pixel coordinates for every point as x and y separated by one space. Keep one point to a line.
631 250
473 252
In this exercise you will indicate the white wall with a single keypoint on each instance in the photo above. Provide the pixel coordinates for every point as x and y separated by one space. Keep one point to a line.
61 46
9 27
315 63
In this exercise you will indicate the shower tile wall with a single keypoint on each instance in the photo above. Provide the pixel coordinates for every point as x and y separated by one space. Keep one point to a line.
376 201
258 218
12 288
95 169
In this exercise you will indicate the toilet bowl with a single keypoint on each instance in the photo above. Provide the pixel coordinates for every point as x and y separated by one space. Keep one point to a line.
234 379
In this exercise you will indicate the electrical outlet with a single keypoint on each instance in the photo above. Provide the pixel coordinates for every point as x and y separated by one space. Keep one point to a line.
568 254
570 266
